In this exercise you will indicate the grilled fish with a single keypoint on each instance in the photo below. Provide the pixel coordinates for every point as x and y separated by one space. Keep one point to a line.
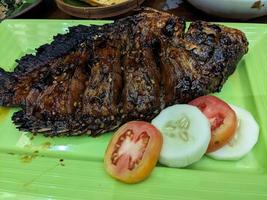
94 78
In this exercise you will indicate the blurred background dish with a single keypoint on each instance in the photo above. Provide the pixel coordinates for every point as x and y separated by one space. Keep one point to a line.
97 9
48 9
15 8
235 9
104 2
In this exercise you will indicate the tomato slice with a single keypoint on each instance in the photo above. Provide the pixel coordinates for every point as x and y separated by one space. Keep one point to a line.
133 151
222 118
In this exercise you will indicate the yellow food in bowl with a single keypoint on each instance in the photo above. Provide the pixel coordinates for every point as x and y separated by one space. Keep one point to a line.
104 2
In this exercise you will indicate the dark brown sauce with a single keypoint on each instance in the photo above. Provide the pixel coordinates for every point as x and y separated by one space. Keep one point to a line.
27 158
257 5
46 145
61 162
3 112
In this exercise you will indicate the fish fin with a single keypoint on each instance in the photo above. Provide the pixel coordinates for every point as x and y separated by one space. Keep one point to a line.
32 124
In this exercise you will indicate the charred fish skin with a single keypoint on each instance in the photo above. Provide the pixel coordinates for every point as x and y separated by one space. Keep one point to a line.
94 78
31 68
202 61
218 51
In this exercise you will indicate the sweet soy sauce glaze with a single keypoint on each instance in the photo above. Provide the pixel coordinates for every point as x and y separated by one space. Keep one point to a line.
3 113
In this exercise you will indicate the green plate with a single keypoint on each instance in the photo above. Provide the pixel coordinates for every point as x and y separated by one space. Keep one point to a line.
36 167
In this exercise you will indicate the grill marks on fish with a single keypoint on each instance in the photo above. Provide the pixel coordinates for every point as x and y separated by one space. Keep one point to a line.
93 79
104 85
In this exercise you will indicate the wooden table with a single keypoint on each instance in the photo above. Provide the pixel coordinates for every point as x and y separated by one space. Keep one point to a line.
48 10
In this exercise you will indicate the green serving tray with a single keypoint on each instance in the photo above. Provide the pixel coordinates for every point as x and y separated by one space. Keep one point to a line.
36 167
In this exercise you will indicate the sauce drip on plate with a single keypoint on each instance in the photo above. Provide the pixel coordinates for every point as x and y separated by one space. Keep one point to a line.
3 112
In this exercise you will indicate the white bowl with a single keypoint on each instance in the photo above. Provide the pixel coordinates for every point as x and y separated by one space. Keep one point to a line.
235 9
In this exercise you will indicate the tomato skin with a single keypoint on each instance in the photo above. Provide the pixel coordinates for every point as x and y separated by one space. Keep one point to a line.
146 150
222 118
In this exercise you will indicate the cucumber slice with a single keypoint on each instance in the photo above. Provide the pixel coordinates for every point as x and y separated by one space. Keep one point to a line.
244 140
186 135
